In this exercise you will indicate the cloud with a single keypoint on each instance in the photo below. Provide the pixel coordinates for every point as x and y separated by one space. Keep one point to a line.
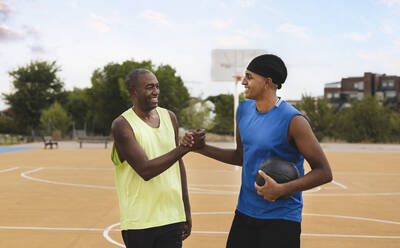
74 4
391 3
7 34
359 37
37 49
384 58
232 41
292 29
99 23
221 24
31 31
5 10
155 17
100 27
246 3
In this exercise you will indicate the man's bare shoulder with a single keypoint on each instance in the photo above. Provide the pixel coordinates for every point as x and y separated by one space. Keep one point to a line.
172 114
119 124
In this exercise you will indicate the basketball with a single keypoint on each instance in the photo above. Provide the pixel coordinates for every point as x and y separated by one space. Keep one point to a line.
279 169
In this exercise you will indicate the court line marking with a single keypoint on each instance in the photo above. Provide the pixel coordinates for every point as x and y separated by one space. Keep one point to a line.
108 238
110 228
353 194
52 228
25 175
339 184
353 218
205 191
9 169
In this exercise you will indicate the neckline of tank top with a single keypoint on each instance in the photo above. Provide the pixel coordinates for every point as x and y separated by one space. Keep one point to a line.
277 104
153 128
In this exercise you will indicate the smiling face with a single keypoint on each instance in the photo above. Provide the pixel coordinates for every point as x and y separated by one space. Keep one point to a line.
254 84
145 94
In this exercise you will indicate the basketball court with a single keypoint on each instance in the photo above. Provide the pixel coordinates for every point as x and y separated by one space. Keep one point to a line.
66 198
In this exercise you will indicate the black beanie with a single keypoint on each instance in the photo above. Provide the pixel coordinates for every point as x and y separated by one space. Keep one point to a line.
269 65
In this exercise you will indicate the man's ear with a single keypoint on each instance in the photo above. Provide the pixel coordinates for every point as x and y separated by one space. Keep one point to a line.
268 82
133 92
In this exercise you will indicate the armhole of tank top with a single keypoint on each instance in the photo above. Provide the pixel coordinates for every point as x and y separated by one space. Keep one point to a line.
134 136
287 131
170 123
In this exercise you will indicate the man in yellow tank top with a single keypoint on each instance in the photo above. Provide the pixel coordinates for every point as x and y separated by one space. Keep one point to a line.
149 172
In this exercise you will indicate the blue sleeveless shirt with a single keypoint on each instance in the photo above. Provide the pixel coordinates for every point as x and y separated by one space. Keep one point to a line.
265 135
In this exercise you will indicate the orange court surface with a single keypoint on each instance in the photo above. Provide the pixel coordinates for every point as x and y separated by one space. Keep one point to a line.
66 198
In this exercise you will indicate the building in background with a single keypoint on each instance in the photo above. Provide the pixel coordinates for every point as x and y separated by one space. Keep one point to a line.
383 86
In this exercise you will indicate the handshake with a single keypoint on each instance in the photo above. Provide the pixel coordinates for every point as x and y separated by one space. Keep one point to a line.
194 139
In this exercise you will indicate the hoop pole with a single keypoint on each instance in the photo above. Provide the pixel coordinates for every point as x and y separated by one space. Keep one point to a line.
235 105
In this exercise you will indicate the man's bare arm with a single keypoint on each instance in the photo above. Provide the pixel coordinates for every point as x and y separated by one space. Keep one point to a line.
305 140
130 150
185 192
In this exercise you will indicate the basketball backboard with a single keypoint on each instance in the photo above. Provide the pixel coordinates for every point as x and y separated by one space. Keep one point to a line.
228 63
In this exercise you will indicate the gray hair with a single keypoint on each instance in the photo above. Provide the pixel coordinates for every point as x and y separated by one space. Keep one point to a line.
132 78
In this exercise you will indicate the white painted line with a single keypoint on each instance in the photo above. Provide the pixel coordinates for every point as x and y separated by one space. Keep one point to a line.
52 228
353 218
348 236
9 169
217 185
204 191
353 194
208 213
105 235
71 168
108 229
339 184
24 175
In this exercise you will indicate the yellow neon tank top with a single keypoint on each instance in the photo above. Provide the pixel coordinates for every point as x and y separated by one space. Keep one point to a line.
157 202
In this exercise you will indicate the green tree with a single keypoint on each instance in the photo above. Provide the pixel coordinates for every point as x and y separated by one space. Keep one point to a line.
319 114
394 126
196 115
173 93
55 118
35 87
223 109
109 98
77 106
7 124
365 120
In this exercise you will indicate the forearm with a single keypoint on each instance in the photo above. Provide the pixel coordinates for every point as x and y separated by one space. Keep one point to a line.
151 168
185 192
314 178
229 156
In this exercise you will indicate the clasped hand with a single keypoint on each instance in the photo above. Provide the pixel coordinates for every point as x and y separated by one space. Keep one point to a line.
194 139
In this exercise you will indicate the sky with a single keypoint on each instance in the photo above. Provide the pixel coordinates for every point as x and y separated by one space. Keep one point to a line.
320 41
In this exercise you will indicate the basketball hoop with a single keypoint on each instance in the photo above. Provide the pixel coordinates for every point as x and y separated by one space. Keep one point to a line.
229 63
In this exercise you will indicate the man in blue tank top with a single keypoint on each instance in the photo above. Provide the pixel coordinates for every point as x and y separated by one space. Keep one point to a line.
267 126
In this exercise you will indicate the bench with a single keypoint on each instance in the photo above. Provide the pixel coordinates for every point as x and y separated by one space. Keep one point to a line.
48 141
93 139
